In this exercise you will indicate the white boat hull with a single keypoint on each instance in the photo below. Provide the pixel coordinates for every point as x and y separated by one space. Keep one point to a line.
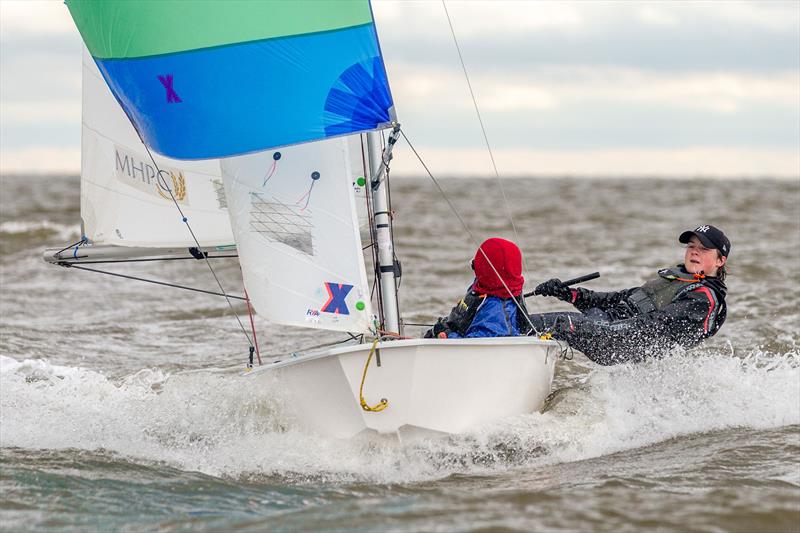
431 385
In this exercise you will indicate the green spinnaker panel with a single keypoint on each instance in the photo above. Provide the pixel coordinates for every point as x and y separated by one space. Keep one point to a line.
123 29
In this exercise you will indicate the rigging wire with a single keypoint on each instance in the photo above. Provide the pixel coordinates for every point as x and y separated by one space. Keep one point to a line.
372 231
398 280
253 326
81 242
395 260
185 220
483 130
164 185
441 190
303 351
118 275
520 306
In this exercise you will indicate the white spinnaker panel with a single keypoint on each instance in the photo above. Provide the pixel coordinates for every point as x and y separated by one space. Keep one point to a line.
121 202
294 219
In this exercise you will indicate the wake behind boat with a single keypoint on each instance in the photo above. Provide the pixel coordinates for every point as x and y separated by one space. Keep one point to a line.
303 177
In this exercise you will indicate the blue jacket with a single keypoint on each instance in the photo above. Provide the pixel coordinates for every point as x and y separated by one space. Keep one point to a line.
492 320
479 315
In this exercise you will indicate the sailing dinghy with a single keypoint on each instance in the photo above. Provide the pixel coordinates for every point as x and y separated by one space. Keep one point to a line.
283 109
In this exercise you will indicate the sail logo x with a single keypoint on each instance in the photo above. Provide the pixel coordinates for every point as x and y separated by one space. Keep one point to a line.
172 96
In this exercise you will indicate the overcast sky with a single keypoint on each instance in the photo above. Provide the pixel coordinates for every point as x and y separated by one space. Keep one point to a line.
565 88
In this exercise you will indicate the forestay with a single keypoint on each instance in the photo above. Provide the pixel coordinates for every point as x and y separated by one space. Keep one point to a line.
296 228
121 201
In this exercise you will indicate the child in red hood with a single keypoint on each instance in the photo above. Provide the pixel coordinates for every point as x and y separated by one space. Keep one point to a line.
493 305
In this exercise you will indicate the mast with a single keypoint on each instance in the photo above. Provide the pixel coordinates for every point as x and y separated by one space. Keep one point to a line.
382 221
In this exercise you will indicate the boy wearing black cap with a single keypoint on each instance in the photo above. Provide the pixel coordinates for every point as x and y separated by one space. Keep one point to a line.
681 307
706 251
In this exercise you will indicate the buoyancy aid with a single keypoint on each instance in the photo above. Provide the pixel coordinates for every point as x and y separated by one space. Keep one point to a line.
463 314
673 283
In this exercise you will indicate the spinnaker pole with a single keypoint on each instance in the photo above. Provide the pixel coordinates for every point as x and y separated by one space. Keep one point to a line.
382 221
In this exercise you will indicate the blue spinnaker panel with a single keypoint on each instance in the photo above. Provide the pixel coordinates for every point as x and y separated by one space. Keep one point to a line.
240 98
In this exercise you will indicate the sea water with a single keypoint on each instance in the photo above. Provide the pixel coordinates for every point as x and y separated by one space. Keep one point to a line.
121 404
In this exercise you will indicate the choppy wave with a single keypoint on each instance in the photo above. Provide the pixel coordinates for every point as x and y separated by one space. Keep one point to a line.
22 229
218 423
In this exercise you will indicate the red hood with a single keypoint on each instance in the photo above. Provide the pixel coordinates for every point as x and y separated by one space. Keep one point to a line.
506 258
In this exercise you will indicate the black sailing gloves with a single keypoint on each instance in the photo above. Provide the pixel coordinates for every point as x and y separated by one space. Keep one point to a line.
554 287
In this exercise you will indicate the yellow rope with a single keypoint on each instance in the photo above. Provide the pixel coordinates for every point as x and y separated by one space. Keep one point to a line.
384 403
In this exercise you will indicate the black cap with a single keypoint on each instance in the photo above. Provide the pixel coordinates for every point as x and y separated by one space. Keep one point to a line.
710 236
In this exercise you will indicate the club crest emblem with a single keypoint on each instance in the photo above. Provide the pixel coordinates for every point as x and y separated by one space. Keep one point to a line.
178 187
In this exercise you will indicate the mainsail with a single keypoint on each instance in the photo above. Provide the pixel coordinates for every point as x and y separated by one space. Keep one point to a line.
122 203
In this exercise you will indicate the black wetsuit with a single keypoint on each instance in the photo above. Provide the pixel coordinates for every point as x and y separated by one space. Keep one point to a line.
674 309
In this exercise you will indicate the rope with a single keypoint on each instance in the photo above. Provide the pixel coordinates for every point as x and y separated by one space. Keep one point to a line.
70 265
381 405
252 326
392 335
483 130
81 242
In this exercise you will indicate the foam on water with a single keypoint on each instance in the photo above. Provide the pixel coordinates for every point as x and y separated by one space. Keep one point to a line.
29 229
221 424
